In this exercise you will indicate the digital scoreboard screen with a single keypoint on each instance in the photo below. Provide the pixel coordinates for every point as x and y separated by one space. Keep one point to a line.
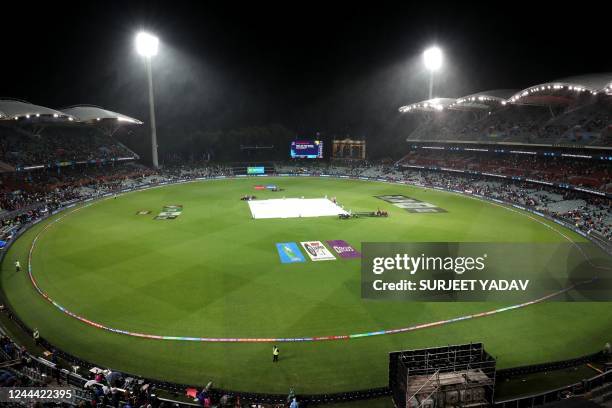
307 149
256 170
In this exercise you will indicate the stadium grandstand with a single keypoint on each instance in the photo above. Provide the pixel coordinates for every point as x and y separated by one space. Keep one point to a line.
573 111
35 137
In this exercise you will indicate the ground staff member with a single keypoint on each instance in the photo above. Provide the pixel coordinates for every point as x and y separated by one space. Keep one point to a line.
275 353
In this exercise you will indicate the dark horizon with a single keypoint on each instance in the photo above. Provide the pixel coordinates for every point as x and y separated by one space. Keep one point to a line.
341 70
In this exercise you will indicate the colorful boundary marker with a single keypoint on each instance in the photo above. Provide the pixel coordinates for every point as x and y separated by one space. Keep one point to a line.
271 340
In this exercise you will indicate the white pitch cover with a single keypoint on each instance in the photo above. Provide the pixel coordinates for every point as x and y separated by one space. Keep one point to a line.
317 251
294 208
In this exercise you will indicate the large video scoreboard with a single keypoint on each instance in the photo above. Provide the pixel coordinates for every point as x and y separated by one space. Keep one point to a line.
307 149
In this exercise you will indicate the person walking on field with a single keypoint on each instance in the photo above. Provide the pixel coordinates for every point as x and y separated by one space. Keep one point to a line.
275 353
36 336
17 266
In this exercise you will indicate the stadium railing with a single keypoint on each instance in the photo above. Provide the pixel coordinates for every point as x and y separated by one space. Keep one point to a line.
570 391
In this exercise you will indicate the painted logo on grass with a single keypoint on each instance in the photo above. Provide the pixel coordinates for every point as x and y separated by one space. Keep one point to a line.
173 208
289 252
170 212
411 205
317 251
344 249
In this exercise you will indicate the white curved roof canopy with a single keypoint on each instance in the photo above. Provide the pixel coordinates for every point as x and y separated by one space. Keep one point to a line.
429 105
15 109
565 87
483 100
91 114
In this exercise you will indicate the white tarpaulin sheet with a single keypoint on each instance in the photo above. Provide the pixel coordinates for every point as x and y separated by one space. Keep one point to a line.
294 208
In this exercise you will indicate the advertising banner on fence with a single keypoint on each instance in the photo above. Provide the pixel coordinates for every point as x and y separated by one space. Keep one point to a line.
344 249
289 252
256 170
317 251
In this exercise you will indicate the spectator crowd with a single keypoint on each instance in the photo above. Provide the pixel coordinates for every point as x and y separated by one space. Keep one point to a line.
584 123
589 173
20 148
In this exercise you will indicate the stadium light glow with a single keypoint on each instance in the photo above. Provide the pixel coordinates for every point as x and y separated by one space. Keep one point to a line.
432 58
146 44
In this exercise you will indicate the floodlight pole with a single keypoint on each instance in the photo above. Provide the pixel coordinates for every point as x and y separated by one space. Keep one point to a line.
154 158
431 81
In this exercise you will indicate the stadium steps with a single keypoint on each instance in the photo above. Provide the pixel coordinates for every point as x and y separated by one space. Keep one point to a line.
566 205
605 400
9 363
602 395
6 168
601 391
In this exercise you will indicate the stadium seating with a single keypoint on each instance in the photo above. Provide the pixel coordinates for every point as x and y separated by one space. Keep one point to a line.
21 148
587 124
551 169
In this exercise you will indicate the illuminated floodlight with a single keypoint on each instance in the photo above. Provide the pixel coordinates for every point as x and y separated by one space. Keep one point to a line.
146 44
432 57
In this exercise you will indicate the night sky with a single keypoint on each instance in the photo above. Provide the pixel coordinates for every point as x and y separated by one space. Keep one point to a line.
337 68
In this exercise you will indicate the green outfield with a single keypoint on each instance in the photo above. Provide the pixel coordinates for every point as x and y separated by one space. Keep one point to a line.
215 272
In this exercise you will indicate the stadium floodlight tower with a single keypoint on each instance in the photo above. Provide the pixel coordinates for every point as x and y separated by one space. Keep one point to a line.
432 57
146 46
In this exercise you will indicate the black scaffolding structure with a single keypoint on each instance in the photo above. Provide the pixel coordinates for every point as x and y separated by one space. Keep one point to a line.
451 376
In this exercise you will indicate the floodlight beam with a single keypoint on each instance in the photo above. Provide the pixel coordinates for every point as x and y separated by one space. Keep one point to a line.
432 58
147 45
154 158
431 81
